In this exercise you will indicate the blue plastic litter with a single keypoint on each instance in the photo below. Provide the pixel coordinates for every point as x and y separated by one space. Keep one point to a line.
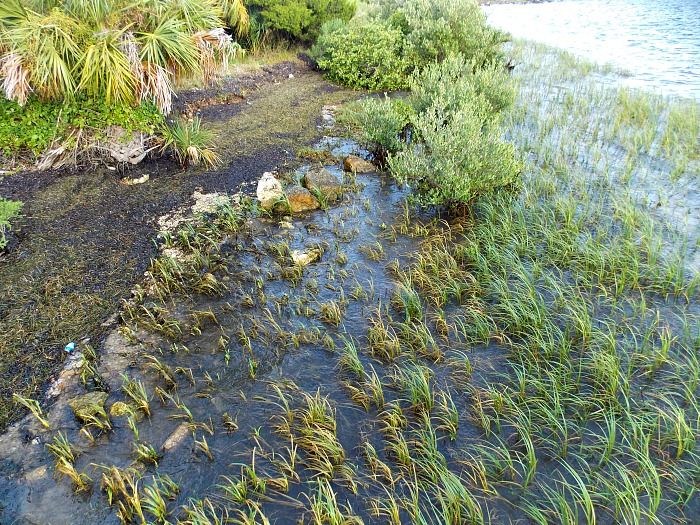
69 347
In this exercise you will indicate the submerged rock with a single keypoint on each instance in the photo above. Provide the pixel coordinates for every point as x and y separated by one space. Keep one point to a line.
175 439
356 164
304 257
88 405
324 182
300 199
119 408
137 180
269 190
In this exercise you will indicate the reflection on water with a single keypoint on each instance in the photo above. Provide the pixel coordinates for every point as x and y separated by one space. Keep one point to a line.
658 43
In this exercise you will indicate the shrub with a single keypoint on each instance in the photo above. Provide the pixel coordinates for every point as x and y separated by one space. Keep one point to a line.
190 143
8 210
435 29
403 37
381 123
460 156
457 80
301 19
362 56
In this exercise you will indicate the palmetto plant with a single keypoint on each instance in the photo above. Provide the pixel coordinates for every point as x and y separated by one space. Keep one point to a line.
190 143
113 49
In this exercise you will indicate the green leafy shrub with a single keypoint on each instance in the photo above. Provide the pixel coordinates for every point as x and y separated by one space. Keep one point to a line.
8 210
34 127
362 56
381 123
403 37
460 155
435 29
457 80
301 19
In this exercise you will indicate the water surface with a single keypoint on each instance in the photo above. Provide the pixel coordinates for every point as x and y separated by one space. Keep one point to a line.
657 43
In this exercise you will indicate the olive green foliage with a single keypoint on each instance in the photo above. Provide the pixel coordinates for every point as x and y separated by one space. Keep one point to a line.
457 80
380 122
461 155
436 29
33 128
8 210
365 56
401 37
452 118
300 19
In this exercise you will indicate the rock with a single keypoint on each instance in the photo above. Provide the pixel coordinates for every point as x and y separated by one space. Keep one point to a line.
37 474
356 164
324 182
300 199
119 408
304 257
138 180
269 190
88 405
177 437
124 146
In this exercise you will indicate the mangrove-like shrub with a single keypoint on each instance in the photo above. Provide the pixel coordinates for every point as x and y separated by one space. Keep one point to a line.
461 155
381 123
300 20
436 29
457 80
401 37
366 55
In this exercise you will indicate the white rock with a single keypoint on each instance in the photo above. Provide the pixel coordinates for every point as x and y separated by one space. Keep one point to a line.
269 190
304 257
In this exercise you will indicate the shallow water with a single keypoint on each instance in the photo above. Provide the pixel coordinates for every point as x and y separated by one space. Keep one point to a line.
657 43
214 379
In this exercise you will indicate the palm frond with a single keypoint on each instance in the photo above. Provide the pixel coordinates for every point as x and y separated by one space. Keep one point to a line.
106 70
212 45
236 15
197 15
15 83
11 13
48 49
157 86
169 46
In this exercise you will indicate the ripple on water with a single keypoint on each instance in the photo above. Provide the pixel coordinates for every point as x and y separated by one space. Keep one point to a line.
658 43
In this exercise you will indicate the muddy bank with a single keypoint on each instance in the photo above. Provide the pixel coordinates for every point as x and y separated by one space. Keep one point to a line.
86 238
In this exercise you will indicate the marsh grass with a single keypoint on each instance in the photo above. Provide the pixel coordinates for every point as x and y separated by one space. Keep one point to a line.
532 361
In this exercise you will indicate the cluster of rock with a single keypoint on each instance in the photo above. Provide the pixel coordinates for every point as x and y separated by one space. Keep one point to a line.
316 184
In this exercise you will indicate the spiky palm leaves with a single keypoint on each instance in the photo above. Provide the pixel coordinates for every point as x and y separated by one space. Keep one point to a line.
236 15
110 48
190 143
